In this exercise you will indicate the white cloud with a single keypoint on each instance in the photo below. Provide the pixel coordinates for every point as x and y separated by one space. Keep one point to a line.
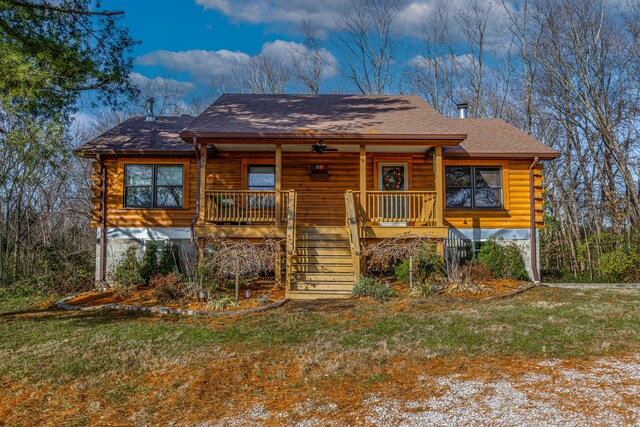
464 61
205 66
266 11
284 52
215 67
171 85
324 12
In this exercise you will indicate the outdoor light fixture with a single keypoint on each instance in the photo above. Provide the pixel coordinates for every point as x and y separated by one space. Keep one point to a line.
319 172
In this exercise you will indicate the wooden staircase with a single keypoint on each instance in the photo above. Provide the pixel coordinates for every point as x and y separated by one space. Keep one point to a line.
322 265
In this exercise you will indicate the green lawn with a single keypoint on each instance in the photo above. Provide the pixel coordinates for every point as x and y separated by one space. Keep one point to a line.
110 357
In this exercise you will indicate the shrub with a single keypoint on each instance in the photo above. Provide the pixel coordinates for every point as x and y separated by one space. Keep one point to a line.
620 265
169 259
401 272
167 287
241 260
149 266
503 259
221 302
126 274
478 272
426 264
373 288
423 289
513 263
492 255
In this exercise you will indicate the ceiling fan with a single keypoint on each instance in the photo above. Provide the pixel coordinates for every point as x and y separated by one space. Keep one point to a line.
320 147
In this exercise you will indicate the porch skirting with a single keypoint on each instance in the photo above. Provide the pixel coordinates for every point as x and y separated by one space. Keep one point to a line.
120 238
521 236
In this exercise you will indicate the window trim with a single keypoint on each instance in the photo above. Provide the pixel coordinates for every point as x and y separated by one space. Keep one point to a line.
377 159
248 168
504 164
185 163
248 161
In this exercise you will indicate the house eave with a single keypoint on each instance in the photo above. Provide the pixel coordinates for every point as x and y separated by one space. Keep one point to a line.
296 138
501 155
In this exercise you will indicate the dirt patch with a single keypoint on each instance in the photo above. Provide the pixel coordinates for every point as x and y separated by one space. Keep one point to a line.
321 305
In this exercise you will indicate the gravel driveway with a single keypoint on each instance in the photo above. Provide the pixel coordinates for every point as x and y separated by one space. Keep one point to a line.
600 392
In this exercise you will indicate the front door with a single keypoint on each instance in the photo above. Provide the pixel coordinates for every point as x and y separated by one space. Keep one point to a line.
393 178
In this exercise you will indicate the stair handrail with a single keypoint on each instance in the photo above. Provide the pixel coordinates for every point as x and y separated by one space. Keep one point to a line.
352 225
291 222
291 236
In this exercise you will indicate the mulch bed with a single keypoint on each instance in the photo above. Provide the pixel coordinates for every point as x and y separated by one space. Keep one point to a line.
143 300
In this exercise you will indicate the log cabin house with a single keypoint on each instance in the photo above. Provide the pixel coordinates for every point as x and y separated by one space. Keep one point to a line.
327 173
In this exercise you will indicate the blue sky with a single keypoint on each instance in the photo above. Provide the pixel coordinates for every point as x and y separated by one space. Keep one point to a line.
177 25
199 44
195 41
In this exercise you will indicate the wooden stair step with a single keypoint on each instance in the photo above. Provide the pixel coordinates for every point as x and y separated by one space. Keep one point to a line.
322 244
318 294
343 251
323 237
323 260
322 286
300 276
322 268
323 230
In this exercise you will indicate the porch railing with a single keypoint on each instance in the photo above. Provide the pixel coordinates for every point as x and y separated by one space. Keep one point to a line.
418 207
245 206
352 225
292 207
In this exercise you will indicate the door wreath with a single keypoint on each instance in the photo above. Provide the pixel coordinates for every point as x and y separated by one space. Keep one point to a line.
393 180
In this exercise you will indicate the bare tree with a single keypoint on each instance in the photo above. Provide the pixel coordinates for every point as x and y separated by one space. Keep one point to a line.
473 21
367 35
263 75
431 73
309 66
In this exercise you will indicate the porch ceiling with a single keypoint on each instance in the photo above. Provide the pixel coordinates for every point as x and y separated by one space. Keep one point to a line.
342 148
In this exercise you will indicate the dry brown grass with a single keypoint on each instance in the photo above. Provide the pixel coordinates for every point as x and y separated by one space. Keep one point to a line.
64 368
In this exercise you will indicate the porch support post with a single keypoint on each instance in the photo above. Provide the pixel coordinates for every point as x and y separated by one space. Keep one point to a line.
363 174
278 269
278 186
437 166
202 174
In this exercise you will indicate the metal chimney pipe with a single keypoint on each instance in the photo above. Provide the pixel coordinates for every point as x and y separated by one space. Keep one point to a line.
150 116
462 110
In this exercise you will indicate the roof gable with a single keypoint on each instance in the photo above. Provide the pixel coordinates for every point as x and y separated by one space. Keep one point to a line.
331 115
135 135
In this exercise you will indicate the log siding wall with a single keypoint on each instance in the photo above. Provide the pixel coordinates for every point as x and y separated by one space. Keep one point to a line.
319 202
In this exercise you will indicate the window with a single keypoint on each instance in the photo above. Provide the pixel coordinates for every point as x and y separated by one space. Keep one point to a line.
153 186
473 187
262 178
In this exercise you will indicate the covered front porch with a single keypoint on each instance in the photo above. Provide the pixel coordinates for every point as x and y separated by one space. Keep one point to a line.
325 206
393 186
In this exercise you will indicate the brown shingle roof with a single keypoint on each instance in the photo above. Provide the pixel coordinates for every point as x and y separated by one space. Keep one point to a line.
310 116
137 136
495 138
